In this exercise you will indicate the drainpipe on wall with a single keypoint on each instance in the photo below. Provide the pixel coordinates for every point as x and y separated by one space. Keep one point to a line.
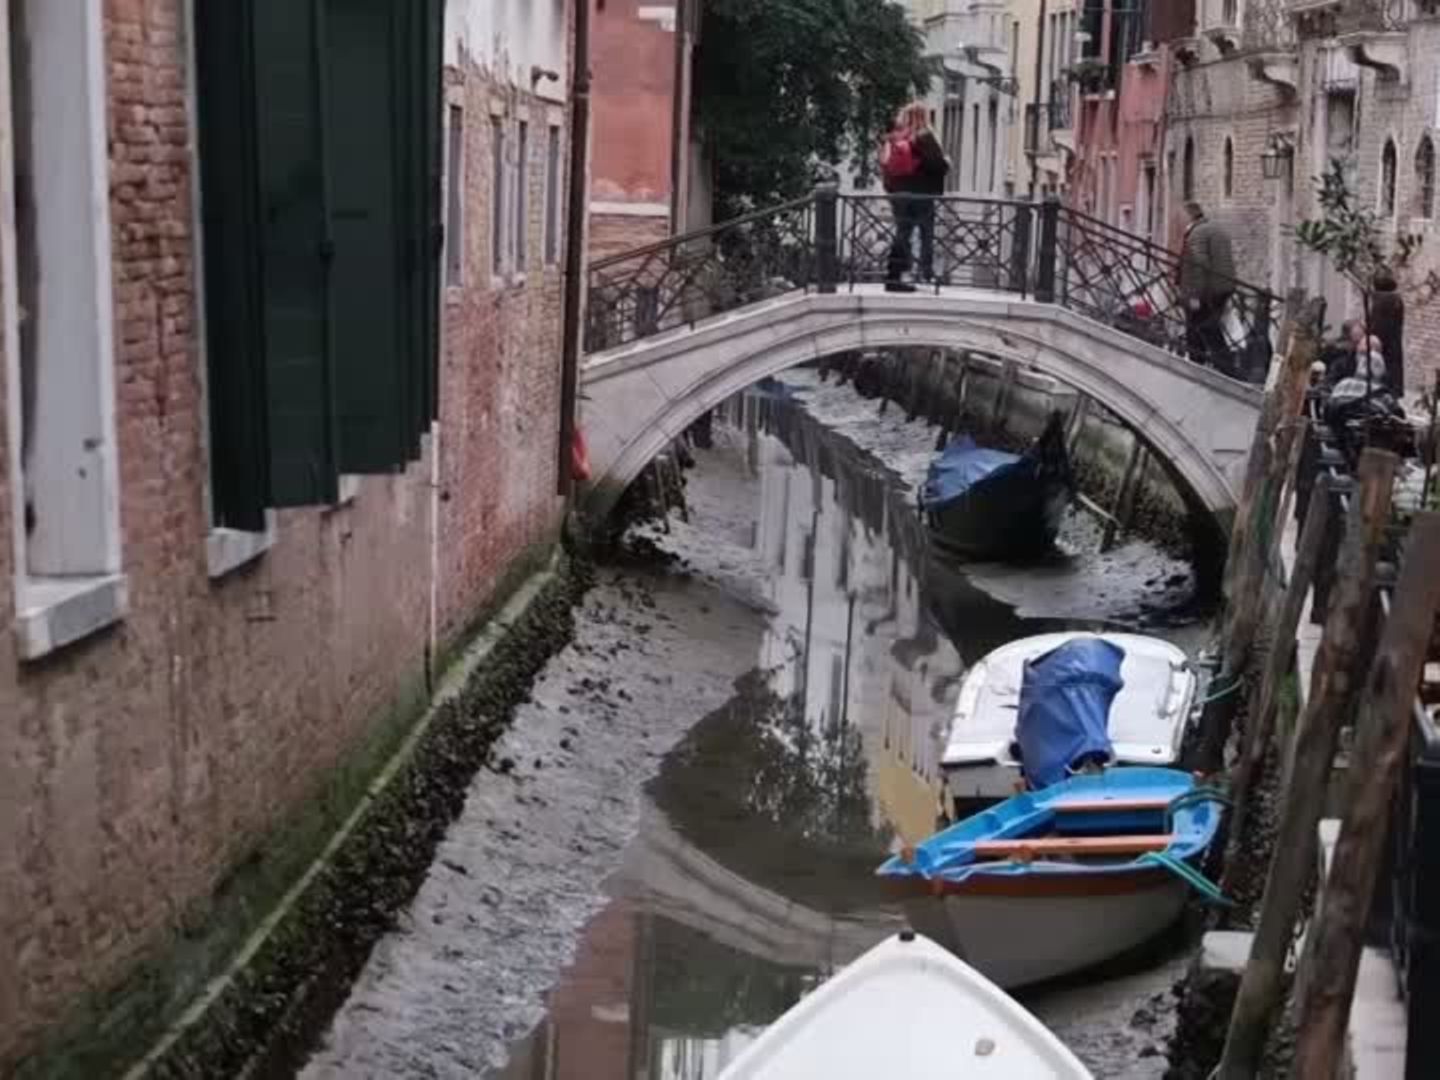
1040 89
576 206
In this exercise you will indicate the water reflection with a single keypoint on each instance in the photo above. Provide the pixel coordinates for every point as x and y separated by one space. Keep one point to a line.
752 877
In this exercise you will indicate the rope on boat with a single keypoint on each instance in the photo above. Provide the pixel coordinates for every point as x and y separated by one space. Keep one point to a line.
1179 867
1187 873
1223 692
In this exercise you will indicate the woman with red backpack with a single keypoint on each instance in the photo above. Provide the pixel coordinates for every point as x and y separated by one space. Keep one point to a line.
913 168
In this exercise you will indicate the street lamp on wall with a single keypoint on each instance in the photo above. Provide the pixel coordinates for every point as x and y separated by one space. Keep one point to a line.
1277 156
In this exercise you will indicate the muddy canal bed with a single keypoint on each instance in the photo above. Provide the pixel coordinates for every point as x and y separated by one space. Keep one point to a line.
677 839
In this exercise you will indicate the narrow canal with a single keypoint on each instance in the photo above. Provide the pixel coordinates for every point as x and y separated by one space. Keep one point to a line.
678 837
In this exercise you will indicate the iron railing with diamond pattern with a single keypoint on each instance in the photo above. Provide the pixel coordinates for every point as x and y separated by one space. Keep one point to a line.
828 241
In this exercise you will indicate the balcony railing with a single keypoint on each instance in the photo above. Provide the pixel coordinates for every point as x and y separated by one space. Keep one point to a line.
1373 16
1269 27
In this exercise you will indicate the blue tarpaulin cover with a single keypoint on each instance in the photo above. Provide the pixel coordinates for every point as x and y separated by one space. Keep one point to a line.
1065 699
961 467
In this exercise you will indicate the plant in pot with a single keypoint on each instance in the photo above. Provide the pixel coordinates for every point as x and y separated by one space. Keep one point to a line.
1359 244
1092 75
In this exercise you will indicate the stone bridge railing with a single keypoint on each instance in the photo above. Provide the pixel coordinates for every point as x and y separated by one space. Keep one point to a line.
826 241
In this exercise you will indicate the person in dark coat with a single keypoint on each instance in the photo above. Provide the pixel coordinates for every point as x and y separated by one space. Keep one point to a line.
1387 322
1207 281
913 192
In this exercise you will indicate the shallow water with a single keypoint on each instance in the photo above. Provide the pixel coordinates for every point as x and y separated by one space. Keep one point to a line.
683 837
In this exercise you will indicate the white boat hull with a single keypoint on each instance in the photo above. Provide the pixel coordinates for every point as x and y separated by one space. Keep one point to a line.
907 1009
1019 940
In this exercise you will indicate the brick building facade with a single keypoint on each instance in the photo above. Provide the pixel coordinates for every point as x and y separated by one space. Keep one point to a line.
1309 84
175 692
648 176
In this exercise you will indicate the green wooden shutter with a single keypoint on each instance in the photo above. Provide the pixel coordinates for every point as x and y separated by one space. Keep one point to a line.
433 105
365 144
383 110
235 344
295 246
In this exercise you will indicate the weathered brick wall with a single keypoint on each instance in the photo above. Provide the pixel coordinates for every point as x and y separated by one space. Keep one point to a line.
1215 100
611 234
1219 97
1406 112
140 767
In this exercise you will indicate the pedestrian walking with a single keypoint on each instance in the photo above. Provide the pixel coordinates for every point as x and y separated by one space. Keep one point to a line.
1207 281
914 168
1387 322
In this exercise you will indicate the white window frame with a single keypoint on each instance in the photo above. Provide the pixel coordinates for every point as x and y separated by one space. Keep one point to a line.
78 586
554 190
499 225
455 208
519 207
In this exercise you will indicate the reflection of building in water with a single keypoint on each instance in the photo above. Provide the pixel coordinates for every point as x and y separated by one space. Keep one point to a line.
851 637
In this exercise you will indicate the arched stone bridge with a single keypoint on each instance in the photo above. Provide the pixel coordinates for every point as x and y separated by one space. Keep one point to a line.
1091 306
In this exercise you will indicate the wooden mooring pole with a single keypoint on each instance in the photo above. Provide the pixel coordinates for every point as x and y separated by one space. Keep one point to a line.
1332 697
1263 705
1331 960
1267 471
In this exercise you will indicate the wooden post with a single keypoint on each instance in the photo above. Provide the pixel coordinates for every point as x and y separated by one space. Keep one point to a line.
1282 403
1326 980
1263 707
1077 423
1246 605
1124 495
1313 755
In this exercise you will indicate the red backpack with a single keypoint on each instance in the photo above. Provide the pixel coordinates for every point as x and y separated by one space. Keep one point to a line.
901 162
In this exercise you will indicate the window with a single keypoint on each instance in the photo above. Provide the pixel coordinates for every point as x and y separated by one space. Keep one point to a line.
552 196
522 197
455 199
1425 178
994 138
1229 167
1187 171
498 246
1388 163
1147 193
321 270
59 344
975 148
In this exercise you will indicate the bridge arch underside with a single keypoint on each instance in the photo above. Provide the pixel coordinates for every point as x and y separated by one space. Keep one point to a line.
640 398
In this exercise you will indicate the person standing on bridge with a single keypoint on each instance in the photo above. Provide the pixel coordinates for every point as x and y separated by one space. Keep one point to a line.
1207 281
913 167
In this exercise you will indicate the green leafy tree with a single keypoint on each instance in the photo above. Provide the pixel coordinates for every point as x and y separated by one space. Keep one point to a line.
1353 237
786 85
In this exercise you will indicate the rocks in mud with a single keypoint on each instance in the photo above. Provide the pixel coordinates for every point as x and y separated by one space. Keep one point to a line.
1204 1000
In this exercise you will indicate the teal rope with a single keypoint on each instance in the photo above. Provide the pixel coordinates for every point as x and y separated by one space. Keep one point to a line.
1222 693
1187 873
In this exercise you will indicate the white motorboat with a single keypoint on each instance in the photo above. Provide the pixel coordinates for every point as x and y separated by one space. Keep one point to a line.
907 1008
1148 718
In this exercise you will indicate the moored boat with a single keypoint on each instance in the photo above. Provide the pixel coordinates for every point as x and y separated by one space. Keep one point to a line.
1054 881
907 1008
1147 719
990 504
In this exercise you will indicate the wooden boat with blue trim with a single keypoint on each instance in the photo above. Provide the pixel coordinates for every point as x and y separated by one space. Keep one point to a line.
981 503
907 1008
1053 881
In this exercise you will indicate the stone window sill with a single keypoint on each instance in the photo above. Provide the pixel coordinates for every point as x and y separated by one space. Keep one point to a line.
349 488
55 612
227 550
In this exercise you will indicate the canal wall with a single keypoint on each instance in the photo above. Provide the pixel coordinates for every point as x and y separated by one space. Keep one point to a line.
1003 404
298 922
